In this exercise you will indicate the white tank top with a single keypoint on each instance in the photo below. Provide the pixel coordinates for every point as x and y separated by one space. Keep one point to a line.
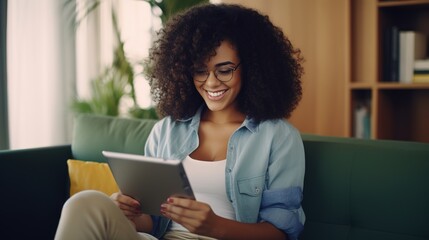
207 179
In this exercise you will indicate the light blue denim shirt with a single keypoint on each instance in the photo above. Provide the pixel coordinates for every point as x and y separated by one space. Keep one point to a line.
264 172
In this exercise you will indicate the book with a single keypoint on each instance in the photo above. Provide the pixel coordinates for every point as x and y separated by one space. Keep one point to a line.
421 78
418 72
412 46
421 64
391 54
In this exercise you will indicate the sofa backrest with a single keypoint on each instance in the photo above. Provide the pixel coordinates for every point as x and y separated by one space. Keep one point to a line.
365 189
94 133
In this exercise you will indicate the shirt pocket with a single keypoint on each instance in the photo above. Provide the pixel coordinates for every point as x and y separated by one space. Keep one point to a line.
251 186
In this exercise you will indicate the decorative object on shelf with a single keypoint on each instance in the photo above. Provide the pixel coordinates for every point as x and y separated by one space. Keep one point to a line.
362 120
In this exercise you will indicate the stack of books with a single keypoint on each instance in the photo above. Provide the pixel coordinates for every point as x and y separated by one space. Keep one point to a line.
404 54
421 71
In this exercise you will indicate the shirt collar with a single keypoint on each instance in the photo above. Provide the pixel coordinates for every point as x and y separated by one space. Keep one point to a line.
248 123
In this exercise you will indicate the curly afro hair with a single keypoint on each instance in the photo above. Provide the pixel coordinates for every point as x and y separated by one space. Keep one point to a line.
271 66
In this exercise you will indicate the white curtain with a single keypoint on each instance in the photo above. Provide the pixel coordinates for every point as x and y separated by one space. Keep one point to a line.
138 28
41 73
95 42
49 65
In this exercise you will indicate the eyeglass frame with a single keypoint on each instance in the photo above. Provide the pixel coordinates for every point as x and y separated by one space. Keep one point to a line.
233 69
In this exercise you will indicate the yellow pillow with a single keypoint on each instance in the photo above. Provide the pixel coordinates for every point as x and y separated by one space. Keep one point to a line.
85 175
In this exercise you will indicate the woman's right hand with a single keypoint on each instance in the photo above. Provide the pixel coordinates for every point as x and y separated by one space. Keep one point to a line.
129 206
131 209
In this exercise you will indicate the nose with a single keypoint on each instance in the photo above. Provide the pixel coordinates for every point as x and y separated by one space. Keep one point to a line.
212 79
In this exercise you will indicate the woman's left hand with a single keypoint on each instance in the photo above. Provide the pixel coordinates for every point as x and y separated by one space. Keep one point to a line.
197 217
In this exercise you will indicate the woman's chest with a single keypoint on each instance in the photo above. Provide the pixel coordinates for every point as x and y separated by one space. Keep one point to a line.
213 141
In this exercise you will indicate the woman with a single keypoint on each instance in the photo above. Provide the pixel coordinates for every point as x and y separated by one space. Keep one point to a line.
224 78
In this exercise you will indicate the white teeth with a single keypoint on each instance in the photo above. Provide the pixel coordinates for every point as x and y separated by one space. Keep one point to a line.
215 94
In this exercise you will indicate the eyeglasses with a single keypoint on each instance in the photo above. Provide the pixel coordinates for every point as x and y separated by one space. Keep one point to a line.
222 73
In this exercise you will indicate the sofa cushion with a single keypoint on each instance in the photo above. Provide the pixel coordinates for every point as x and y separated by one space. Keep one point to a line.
95 133
87 175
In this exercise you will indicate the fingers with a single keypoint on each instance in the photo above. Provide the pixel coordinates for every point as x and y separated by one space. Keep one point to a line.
189 213
185 203
129 206
181 206
182 212
125 200
197 217
191 224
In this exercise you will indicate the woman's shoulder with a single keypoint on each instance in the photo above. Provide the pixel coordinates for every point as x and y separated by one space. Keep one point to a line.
278 125
164 121
169 124
279 130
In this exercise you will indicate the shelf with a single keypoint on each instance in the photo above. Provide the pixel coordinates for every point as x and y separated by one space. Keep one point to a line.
399 86
402 115
361 85
398 3
398 111
388 85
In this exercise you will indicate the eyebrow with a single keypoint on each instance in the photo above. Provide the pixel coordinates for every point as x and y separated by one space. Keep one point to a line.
224 63
219 64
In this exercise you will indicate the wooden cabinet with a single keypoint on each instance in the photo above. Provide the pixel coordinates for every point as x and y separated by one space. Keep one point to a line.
398 111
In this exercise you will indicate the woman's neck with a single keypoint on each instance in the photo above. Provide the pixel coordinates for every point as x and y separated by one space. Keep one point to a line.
223 117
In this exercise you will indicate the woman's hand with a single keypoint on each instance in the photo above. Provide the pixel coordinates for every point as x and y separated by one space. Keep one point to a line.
200 219
129 206
131 209
195 216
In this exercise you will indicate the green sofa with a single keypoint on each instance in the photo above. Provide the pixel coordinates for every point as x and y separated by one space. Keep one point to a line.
354 189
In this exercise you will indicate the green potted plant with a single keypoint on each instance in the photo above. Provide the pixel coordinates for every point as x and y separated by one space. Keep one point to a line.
117 80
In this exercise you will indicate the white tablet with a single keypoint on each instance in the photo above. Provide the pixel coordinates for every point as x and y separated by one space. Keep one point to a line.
149 180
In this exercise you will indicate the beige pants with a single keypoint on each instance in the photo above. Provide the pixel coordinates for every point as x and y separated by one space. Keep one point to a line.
91 215
180 235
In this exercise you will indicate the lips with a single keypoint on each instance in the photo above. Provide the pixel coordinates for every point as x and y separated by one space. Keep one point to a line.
217 95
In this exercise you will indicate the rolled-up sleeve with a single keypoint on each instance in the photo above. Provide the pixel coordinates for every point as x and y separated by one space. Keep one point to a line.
282 197
282 208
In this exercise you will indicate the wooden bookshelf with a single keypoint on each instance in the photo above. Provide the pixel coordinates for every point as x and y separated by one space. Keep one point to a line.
398 111
341 41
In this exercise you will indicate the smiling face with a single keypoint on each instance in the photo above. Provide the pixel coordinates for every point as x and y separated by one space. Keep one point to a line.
218 95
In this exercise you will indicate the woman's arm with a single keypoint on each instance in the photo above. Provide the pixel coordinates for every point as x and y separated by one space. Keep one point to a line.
199 218
143 223
281 200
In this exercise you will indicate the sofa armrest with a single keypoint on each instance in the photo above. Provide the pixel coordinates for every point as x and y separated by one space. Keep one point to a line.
34 186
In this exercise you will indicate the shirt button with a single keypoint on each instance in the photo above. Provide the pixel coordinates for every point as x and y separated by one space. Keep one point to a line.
257 190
